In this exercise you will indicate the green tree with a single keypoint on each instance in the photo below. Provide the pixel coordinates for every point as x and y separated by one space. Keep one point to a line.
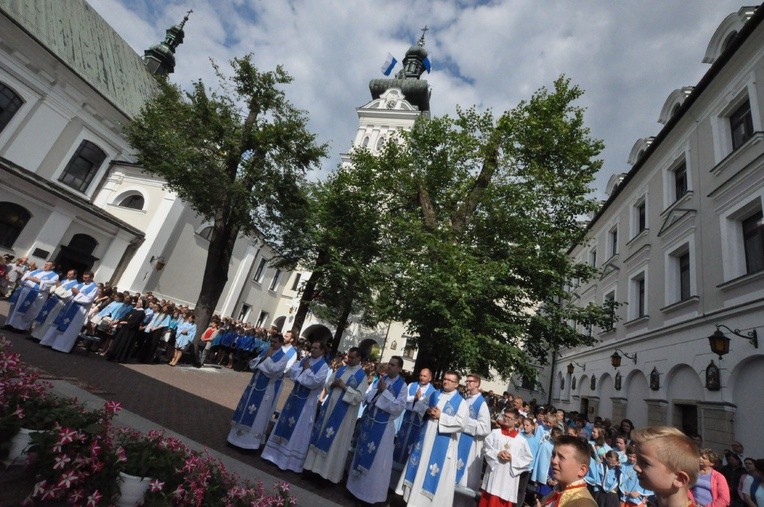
478 214
342 251
237 156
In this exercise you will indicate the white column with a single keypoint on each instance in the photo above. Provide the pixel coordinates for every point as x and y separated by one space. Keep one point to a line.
137 272
52 232
238 281
111 259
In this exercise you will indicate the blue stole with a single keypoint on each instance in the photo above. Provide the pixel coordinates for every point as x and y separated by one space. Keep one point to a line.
410 427
33 291
52 301
66 315
466 440
322 440
254 394
438 451
290 354
293 408
373 427
14 296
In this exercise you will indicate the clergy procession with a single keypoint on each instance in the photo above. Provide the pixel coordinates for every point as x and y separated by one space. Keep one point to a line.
432 445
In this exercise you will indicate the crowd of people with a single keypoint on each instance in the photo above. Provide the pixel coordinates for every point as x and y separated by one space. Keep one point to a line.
448 442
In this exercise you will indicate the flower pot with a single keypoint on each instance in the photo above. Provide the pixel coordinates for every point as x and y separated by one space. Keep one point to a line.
132 489
19 446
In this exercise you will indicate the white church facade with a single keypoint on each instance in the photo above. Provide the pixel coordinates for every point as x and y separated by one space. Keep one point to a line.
679 244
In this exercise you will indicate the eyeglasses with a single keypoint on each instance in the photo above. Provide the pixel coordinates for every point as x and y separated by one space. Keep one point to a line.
450 380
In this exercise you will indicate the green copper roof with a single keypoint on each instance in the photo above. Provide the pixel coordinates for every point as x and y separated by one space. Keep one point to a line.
78 36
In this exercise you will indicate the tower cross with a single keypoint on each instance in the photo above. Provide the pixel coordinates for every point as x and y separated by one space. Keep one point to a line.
421 39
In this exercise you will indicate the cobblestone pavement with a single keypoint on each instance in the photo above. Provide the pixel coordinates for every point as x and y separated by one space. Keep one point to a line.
194 402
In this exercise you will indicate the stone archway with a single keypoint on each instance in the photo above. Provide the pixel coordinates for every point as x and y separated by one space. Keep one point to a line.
747 376
636 393
683 392
317 333
607 391
370 349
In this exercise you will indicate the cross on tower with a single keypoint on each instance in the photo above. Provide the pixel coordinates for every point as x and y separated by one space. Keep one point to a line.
421 39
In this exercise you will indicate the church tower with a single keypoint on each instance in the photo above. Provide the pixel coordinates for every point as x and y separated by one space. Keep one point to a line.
160 58
396 103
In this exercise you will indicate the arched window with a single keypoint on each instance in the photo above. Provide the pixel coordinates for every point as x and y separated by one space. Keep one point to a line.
83 243
730 38
10 102
83 166
134 201
206 233
13 219
365 142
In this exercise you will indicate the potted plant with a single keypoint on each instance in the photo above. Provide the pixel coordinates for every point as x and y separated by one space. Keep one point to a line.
150 465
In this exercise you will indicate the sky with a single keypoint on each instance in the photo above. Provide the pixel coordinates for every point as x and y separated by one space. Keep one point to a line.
628 56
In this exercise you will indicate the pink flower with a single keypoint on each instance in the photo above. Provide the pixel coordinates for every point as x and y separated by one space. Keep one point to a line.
112 407
121 456
156 485
67 479
76 497
94 499
66 436
40 488
61 461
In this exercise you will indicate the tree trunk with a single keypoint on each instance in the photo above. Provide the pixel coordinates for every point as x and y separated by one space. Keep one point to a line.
215 274
341 324
309 292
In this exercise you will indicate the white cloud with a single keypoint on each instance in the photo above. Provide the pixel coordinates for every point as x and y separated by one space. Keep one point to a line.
628 56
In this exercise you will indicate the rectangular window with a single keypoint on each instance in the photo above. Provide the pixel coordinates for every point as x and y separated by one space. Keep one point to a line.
83 166
753 242
613 241
296 283
609 304
741 125
640 297
409 349
260 271
593 258
244 312
641 217
262 319
275 281
680 181
684 277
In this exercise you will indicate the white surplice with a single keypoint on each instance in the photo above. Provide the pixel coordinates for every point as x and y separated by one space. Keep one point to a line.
64 341
479 427
451 424
331 465
22 318
291 455
502 478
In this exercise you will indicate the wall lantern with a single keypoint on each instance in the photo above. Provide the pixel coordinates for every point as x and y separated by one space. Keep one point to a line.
615 359
720 344
571 367
655 379
713 379
158 262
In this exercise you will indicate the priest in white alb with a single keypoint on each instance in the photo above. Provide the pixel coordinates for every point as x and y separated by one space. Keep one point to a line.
29 300
60 294
370 470
249 423
469 468
287 446
63 334
333 431
430 474
507 455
